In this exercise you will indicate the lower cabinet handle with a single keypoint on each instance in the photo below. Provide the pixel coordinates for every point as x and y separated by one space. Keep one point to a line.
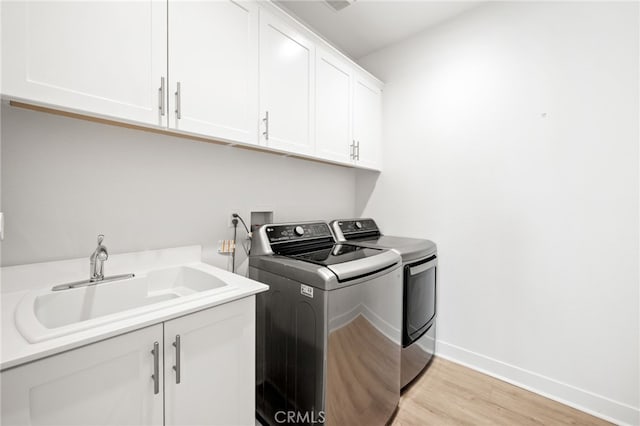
156 368
176 367
358 151
352 150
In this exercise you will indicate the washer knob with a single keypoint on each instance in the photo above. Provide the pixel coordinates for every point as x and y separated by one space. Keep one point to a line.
358 225
299 231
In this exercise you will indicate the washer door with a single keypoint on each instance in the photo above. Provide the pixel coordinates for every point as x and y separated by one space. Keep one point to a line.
419 304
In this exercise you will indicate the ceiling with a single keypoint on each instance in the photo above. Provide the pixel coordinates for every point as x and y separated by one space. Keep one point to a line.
369 25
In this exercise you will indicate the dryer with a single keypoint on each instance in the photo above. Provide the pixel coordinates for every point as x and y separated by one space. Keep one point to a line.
420 260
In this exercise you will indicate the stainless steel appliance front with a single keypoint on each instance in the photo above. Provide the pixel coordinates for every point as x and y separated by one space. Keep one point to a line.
419 314
333 355
363 362
328 350
419 291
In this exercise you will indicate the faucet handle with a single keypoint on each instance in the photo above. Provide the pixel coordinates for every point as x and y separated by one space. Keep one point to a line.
100 238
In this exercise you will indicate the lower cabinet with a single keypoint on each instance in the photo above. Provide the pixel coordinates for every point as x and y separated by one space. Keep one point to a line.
206 378
210 366
108 382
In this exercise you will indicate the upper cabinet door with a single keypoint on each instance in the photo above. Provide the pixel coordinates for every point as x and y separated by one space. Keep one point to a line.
333 108
213 56
286 86
367 122
102 57
105 383
210 366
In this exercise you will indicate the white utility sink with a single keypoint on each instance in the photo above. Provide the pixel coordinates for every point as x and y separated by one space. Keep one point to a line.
48 314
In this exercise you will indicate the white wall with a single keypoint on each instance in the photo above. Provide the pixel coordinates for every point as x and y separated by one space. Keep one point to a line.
511 139
66 180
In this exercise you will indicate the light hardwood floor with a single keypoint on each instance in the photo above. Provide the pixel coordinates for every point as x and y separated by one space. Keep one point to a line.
451 394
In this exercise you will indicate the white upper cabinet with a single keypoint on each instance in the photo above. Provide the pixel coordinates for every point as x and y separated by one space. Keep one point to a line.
367 122
213 56
105 383
238 71
210 366
286 86
333 107
102 57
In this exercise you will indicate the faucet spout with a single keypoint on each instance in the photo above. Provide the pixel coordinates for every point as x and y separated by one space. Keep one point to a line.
97 259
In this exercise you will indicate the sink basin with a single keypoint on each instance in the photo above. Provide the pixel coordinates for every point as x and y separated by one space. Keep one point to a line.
47 314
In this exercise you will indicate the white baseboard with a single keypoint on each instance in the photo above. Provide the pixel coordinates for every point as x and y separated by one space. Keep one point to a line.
564 393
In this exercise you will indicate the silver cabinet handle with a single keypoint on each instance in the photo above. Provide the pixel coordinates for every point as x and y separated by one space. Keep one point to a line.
266 125
352 150
156 368
358 150
176 367
161 101
178 109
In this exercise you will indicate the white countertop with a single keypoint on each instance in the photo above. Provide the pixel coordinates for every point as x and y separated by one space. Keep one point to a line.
18 281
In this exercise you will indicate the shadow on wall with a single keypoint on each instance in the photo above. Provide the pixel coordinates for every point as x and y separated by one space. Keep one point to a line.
366 181
155 191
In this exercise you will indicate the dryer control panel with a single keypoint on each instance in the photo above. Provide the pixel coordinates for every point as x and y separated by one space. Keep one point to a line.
357 228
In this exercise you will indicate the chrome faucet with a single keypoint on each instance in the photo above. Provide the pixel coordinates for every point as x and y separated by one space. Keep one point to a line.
99 256
96 271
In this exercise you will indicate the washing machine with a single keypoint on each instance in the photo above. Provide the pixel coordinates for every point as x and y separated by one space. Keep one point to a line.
328 329
419 265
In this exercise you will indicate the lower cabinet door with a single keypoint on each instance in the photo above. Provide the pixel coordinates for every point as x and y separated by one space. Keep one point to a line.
210 366
105 383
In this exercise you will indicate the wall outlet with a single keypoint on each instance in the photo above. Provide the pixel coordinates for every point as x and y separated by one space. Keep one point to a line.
230 218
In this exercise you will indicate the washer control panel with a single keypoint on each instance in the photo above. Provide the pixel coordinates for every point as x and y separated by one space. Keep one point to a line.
294 232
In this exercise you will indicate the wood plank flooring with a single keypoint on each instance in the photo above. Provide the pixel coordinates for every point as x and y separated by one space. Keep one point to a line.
451 394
